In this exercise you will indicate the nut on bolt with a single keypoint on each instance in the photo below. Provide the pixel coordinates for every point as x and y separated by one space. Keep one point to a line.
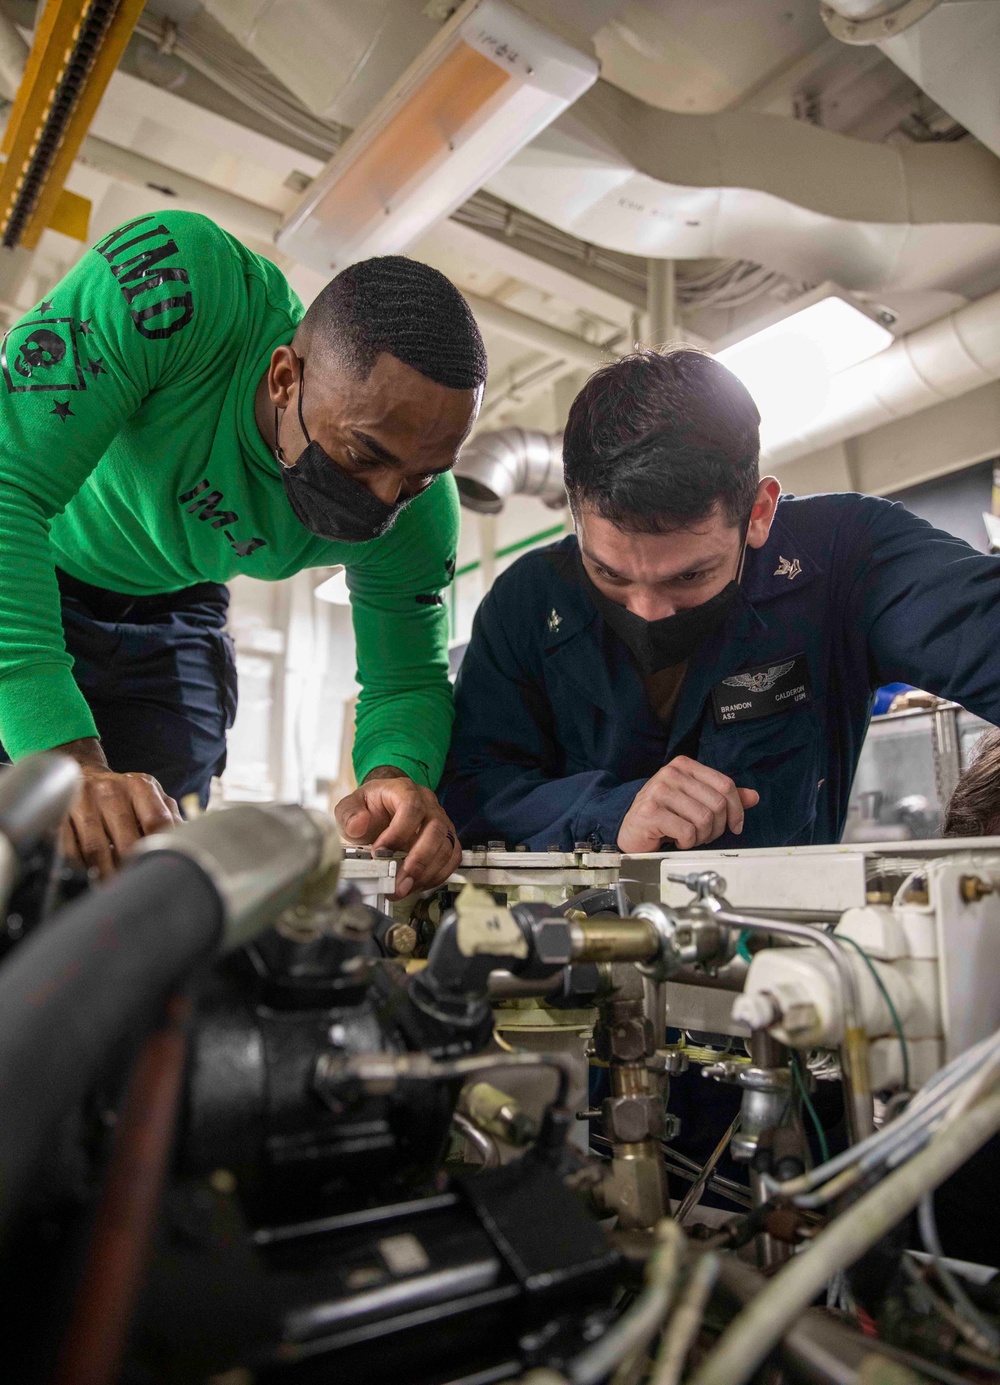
973 888
554 941
629 1119
401 940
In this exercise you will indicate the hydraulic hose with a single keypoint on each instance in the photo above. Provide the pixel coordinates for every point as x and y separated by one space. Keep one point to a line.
99 971
757 1331
103 967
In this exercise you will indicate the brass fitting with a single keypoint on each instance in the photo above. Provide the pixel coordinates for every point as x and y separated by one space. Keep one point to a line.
973 888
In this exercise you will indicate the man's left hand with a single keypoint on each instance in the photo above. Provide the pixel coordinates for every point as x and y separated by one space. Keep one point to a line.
389 811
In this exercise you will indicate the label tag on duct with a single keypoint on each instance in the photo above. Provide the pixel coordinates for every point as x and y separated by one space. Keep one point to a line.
762 691
485 927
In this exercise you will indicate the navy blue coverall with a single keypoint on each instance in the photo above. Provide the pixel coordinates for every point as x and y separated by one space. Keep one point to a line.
555 735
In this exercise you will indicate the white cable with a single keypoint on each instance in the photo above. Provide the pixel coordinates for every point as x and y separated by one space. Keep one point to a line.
636 1327
754 1334
918 1115
963 1303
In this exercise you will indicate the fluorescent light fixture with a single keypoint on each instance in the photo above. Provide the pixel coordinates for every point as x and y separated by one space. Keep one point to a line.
489 82
788 365
334 589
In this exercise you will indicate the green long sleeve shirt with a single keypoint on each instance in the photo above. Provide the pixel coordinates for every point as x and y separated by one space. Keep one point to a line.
130 458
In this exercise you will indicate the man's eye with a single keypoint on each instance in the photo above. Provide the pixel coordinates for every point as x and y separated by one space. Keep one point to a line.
692 576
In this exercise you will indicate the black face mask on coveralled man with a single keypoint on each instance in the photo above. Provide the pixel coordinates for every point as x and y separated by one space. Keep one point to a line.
325 499
664 643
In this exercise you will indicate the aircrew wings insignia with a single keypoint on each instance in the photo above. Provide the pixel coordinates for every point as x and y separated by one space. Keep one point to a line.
760 682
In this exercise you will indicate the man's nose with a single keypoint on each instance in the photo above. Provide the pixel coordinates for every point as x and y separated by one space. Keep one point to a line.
649 605
386 487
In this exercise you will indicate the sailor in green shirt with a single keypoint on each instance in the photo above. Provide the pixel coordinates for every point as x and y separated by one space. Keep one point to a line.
171 418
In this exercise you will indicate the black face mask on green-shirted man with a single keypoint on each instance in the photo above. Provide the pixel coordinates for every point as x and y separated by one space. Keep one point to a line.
325 499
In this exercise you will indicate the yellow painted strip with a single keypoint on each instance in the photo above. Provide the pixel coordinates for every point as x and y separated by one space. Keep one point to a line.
45 64
71 215
108 57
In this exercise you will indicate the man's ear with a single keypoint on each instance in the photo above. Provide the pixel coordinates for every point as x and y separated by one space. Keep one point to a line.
762 514
282 376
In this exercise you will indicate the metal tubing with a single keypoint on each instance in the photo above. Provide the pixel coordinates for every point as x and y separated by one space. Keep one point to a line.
484 1144
129 167
259 859
35 796
654 1006
693 1195
562 346
614 939
854 1049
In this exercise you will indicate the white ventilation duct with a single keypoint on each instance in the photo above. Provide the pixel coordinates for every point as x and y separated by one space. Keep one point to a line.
510 461
814 204
951 50
941 361
947 358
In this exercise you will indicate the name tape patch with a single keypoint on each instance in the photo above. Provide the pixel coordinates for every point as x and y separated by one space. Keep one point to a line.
762 691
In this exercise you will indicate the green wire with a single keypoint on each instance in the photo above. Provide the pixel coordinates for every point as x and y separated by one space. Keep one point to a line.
800 1082
842 938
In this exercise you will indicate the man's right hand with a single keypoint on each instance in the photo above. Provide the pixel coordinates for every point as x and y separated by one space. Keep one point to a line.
686 803
112 811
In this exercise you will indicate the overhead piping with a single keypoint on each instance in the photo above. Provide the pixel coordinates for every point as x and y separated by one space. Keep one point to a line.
947 358
950 51
510 461
783 193
127 166
529 330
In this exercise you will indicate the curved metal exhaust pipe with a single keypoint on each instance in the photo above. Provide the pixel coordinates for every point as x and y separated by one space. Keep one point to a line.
511 461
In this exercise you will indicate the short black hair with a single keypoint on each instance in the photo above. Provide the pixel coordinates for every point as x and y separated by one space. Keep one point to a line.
974 808
407 309
657 440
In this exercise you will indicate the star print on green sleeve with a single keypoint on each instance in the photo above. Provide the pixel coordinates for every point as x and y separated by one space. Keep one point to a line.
62 410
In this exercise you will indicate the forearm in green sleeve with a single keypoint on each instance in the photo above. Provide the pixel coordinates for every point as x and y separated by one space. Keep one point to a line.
409 730
40 703
405 709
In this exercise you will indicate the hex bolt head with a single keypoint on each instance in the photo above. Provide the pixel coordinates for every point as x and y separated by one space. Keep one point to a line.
401 939
554 941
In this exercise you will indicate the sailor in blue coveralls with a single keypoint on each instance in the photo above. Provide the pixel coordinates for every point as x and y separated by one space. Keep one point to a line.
697 663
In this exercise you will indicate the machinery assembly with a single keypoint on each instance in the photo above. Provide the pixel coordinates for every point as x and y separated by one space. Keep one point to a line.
243 1141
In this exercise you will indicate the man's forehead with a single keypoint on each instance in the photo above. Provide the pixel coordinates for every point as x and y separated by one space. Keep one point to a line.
401 415
652 557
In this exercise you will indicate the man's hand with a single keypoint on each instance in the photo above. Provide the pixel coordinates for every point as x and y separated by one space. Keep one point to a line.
112 811
389 811
687 803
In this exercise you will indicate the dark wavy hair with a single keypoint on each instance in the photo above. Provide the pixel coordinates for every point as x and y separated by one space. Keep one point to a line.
974 807
404 308
657 440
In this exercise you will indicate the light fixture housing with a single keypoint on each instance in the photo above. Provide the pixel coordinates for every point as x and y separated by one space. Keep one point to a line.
788 364
490 81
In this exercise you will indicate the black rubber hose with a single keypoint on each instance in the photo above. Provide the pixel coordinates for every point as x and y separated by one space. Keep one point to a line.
70 993
35 796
